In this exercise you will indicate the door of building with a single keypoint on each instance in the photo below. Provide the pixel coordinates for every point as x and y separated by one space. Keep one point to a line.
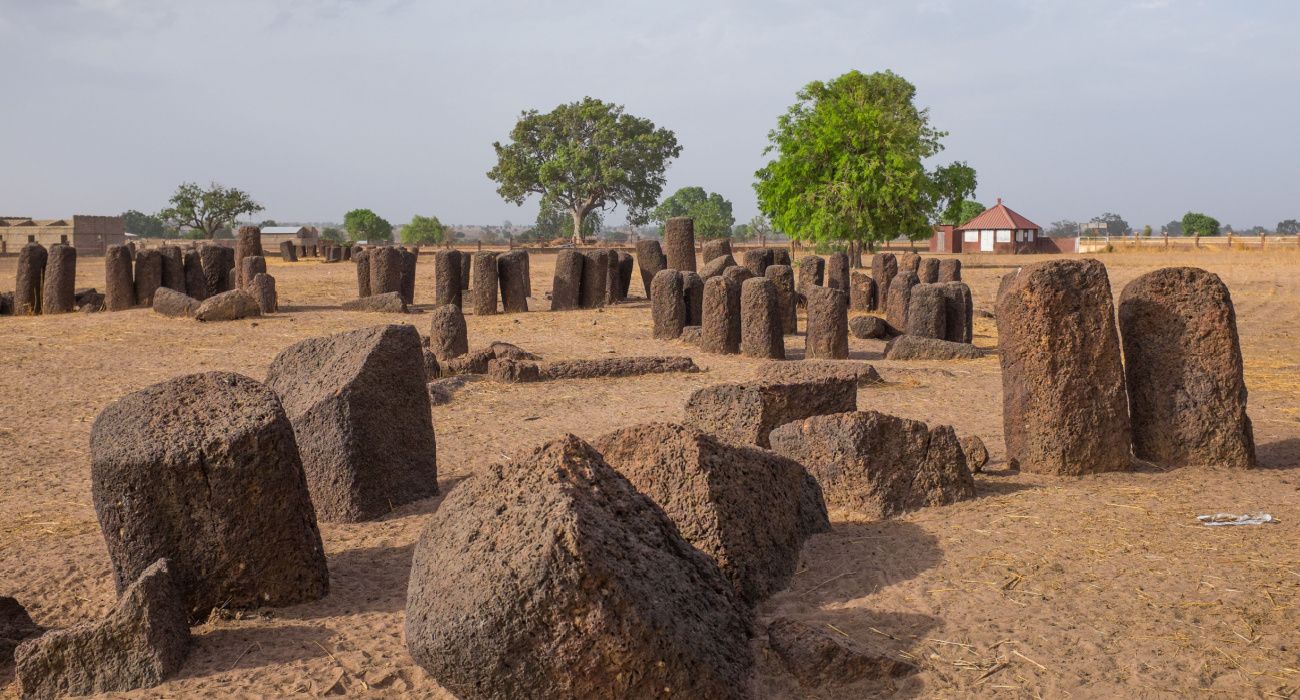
986 241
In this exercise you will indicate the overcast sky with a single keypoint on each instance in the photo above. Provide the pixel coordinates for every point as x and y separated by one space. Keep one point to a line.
1065 109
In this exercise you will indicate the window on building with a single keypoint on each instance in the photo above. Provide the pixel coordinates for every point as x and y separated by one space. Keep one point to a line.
31 238
1031 234
972 236
1004 236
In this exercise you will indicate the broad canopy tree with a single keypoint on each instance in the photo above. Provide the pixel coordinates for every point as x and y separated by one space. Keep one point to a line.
710 210
207 211
1290 226
423 230
365 225
1198 224
962 212
584 156
850 164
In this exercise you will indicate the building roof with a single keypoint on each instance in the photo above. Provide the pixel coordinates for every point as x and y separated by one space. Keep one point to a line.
282 229
1000 216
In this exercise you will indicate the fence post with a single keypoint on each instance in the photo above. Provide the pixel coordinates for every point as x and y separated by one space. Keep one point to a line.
1165 235
1261 241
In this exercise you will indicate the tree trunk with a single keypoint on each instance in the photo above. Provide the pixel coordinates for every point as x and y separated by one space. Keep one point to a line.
578 216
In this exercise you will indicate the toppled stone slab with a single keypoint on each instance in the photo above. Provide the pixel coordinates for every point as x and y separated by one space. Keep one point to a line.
228 306
616 367
913 347
868 327
173 304
860 373
388 302
816 659
746 413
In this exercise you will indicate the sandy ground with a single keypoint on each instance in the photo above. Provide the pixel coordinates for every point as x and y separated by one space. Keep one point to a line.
1096 587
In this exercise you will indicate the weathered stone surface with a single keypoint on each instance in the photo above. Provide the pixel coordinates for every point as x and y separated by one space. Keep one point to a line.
262 288
203 470
554 577
615 367
626 265
566 288
781 256
143 640
690 335
173 267
361 258
756 260
388 302
594 291
650 260
148 275
446 279
716 267
227 262
119 284
514 280
787 298
900 299
715 248
977 455
288 253
862 292
837 271
925 312
827 334
720 322
513 371
679 243
168 302
812 273
466 263
878 465
250 267
1064 405
410 261
483 287
1183 366
613 290
91 303
740 505
928 271
359 407
693 297
865 327
958 312
15 626
196 283
32 260
760 320
58 295
860 373
448 336
949 270
912 347
212 262
228 306
473 362
746 413
667 305
816 659
385 270
883 268
737 275
248 243
910 262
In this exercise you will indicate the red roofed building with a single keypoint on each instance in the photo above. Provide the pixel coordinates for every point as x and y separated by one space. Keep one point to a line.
997 229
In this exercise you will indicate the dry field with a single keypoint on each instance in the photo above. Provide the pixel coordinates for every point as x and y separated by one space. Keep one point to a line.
1104 586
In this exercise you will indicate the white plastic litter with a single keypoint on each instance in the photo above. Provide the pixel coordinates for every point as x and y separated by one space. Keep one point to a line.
1233 519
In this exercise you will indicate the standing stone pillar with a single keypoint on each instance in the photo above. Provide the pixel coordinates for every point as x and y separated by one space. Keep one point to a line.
148 275
720 322
1064 405
783 277
926 316
466 261
248 242
812 271
756 260
226 281
950 270
837 271
693 295
446 279
626 264
900 299
909 262
613 284
483 289
385 270
361 259
827 335
173 268
595 277
679 240
760 323
409 260
883 268
667 305
119 286
60 290
196 283
287 252
928 272
250 267
512 275
650 258
566 287
32 260
262 287
958 312
862 292
715 248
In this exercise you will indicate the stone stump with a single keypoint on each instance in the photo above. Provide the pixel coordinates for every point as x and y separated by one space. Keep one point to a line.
812 273
1182 361
781 256
925 312
595 279
361 259
409 261
650 260
32 260
928 272
958 311
566 287
626 264
787 298
262 288
693 295
173 268
148 275
287 252
1064 404
59 294
862 292
448 335
679 241
756 260
385 270
900 299
883 268
720 324
446 279
827 334
760 320
483 286
196 283
466 269
252 266
837 271
715 248
248 243
909 262
717 266
950 270
667 304
119 286
512 277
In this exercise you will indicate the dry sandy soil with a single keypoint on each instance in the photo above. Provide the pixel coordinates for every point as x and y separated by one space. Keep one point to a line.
1041 586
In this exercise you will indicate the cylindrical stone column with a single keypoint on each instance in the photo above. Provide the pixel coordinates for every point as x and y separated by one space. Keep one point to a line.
119 285
679 243
760 323
60 291
483 288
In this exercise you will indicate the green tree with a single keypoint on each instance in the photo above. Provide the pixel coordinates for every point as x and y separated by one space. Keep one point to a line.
365 225
964 211
1197 224
1115 224
423 230
850 164
331 233
554 222
1174 228
585 156
146 225
207 210
1290 226
267 222
1063 229
710 210
1146 231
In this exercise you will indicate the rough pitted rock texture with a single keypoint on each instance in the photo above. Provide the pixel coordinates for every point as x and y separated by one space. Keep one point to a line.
59 293
926 312
1064 404
616 367
446 278
448 336
740 505
958 312
196 283
667 305
483 286
476 361
928 272
864 327
15 626
466 262
119 282
787 298
174 304
91 303
827 333
720 319
410 261
860 373
760 320
613 286
361 259
1182 360
715 248
862 292
679 243
554 577
388 302
693 296
909 262
690 335
812 273
212 262
900 299
816 658
837 271
228 306
716 267
262 287
385 270
626 264
250 267
173 260
143 640
595 279
288 253
912 347
878 465
148 275
203 470
977 455
514 280
248 243
781 256
745 413
949 270
359 407
756 260
513 371
737 275
883 268
32 260
650 260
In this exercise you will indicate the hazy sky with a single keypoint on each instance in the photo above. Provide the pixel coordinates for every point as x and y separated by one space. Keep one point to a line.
1065 109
